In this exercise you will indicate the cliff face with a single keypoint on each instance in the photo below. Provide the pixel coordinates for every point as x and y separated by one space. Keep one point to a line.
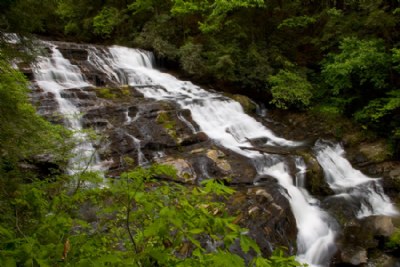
136 130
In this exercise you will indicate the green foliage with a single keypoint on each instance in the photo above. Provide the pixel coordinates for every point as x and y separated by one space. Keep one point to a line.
159 38
166 121
133 221
23 133
394 240
396 59
191 58
359 63
28 16
78 15
377 109
105 21
213 12
297 22
379 113
145 6
289 89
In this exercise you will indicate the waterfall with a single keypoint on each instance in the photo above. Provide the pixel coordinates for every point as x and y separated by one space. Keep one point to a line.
55 75
352 184
316 234
224 120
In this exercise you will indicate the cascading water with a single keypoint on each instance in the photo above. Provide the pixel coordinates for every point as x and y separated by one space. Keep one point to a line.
316 234
225 122
55 75
349 183
188 124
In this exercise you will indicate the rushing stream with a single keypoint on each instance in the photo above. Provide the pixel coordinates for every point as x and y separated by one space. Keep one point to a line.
55 75
224 121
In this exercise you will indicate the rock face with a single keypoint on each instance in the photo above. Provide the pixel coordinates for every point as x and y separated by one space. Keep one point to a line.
266 213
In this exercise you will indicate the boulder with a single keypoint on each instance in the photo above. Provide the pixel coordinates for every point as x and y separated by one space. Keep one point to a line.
354 255
380 225
185 172
218 157
267 215
247 104
315 180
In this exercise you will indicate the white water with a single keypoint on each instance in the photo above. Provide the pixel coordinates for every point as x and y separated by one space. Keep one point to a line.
224 121
315 238
188 124
54 75
352 184
141 159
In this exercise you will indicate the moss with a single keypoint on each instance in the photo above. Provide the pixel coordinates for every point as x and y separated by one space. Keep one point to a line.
168 123
377 151
105 92
394 240
129 161
125 91
248 105
113 93
162 117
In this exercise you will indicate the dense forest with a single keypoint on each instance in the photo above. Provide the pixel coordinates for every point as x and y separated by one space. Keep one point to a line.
338 58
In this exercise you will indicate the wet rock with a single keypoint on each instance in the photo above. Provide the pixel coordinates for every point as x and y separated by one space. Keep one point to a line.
354 255
74 53
185 172
315 180
108 115
247 104
193 139
218 157
361 238
377 151
383 260
267 214
380 225
205 167
390 172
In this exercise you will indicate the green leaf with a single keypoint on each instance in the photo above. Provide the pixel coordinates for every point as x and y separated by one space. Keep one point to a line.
196 231
246 243
8 262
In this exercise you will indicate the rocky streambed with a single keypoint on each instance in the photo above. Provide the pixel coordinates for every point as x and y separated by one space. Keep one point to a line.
135 131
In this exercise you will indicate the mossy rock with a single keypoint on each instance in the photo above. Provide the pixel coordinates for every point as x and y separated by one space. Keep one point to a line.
315 181
376 152
248 105
168 123
106 93
113 93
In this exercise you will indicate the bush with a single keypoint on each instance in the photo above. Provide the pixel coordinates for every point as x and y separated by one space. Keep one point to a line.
289 89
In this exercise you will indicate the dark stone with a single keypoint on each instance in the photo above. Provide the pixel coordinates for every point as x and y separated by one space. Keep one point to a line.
267 215
71 53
